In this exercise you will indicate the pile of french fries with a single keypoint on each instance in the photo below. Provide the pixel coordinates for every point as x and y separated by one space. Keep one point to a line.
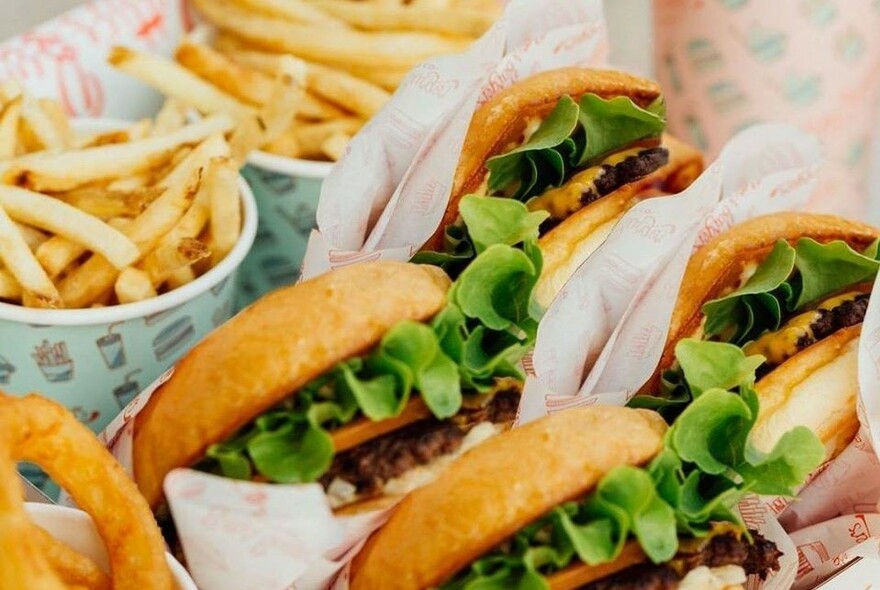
353 54
97 219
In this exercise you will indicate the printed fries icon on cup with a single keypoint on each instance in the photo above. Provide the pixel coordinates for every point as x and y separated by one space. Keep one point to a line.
54 361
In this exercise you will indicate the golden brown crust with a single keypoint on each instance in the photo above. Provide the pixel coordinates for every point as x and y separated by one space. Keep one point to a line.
499 487
719 263
268 351
503 118
817 388
569 244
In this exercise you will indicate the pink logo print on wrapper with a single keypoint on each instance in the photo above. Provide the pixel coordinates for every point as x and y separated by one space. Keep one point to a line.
804 564
427 77
555 403
859 531
340 258
643 342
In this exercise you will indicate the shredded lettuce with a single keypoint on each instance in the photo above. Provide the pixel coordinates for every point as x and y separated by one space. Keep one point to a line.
705 468
573 136
489 322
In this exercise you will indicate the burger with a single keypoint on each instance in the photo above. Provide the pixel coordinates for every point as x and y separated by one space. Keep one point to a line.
582 145
368 380
792 288
594 498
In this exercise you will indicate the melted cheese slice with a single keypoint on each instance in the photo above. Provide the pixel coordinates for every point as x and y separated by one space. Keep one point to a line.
781 345
562 201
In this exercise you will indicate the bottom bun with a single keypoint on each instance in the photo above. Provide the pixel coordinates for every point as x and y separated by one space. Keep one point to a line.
569 244
816 388
497 488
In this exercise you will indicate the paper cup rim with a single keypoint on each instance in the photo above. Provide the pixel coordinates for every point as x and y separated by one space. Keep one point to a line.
290 166
178 572
165 301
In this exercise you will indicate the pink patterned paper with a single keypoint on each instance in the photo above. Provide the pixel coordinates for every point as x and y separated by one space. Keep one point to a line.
726 64
829 546
65 58
386 196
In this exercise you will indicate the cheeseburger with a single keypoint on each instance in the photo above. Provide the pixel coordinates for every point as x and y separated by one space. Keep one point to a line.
597 498
792 288
582 145
369 380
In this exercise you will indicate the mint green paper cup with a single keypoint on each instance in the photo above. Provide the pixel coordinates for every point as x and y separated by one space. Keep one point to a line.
286 191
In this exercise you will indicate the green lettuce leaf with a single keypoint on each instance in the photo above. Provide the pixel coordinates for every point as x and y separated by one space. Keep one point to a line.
573 136
706 467
490 321
789 280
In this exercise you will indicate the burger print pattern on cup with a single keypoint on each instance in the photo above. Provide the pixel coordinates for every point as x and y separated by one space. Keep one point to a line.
728 64
286 206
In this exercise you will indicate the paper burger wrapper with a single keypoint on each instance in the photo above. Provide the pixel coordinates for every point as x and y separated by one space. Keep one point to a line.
602 337
66 58
727 64
844 553
387 195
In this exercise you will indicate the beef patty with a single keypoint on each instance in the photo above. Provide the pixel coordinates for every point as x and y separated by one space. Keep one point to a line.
760 558
370 465
616 176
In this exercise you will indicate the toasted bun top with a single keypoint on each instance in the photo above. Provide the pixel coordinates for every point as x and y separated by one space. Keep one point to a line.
270 350
503 118
719 263
497 488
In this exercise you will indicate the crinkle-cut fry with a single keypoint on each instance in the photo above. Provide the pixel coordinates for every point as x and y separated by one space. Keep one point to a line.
20 262
96 276
175 81
299 11
134 285
9 287
358 96
41 431
334 146
221 178
10 117
311 137
330 45
69 170
180 277
169 258
445 21
171 116
69 222
74 568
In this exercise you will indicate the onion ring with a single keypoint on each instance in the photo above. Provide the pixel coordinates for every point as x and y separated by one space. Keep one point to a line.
41 431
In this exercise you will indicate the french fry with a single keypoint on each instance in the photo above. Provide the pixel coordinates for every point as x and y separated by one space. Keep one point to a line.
9 121
95 277
312 137
20 262
239 81
41 127
138 130
134 285
169 258
176 81
334 146
388 79
56 254
106 203
221 177
331 45
10 290
285 145
212 147
295 10
55 112
69 222
445 21
180 277
69 170
358 96
171 117
32 236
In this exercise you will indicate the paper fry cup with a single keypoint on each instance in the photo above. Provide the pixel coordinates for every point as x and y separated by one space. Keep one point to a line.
75 529
94 361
